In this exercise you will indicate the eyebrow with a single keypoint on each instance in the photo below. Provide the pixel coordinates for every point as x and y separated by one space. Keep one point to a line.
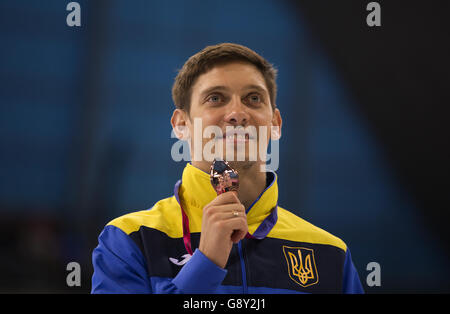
224 88
212 89
257 87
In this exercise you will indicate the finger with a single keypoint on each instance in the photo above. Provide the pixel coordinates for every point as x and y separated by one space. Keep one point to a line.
227 208
235 224
226 198
228 214
238 235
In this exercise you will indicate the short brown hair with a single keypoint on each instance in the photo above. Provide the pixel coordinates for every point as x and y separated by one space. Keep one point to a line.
211 56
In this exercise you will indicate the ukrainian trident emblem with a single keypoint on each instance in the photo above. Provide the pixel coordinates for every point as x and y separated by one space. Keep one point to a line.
301 265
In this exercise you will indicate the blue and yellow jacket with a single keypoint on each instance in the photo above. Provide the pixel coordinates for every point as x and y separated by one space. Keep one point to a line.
144 251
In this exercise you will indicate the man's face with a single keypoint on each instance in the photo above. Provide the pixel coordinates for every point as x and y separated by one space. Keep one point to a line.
228 96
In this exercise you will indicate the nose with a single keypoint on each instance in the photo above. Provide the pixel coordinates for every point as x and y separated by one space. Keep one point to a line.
237 114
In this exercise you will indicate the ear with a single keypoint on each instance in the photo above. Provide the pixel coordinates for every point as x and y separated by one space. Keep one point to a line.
277 122
179 125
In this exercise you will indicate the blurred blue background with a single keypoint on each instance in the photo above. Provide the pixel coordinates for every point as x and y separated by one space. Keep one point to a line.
85 133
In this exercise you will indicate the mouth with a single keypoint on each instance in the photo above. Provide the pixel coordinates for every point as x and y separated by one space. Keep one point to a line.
236 137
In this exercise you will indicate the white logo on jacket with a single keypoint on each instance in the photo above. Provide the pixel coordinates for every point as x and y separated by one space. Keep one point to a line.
185 259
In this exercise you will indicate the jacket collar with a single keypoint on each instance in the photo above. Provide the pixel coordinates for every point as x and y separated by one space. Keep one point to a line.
196 191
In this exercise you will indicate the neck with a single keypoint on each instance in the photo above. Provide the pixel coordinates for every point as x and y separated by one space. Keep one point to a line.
252 181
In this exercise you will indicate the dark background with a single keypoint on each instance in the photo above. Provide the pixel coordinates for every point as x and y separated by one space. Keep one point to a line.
85 132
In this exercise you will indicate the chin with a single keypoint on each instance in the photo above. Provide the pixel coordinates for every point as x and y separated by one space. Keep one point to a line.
245 165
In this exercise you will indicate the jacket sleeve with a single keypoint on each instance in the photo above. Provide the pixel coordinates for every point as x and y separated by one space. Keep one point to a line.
351 282
120 267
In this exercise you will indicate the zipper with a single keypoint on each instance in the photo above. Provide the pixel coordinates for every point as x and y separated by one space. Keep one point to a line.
240 248
244 273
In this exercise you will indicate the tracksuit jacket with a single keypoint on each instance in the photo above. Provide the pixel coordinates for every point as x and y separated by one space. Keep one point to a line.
146 252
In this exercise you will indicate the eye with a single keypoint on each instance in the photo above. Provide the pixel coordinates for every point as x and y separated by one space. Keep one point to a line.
254 99
215 98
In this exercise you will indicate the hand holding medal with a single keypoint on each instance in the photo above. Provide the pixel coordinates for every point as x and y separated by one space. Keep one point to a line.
224 220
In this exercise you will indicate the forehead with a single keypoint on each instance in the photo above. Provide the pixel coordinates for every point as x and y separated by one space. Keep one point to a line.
234 75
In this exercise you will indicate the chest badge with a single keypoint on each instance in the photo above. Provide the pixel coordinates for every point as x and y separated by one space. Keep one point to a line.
301 265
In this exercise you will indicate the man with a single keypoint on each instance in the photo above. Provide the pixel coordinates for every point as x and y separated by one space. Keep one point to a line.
239 241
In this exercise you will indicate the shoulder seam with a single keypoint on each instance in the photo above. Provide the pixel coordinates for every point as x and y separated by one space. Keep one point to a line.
159 217
307 232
